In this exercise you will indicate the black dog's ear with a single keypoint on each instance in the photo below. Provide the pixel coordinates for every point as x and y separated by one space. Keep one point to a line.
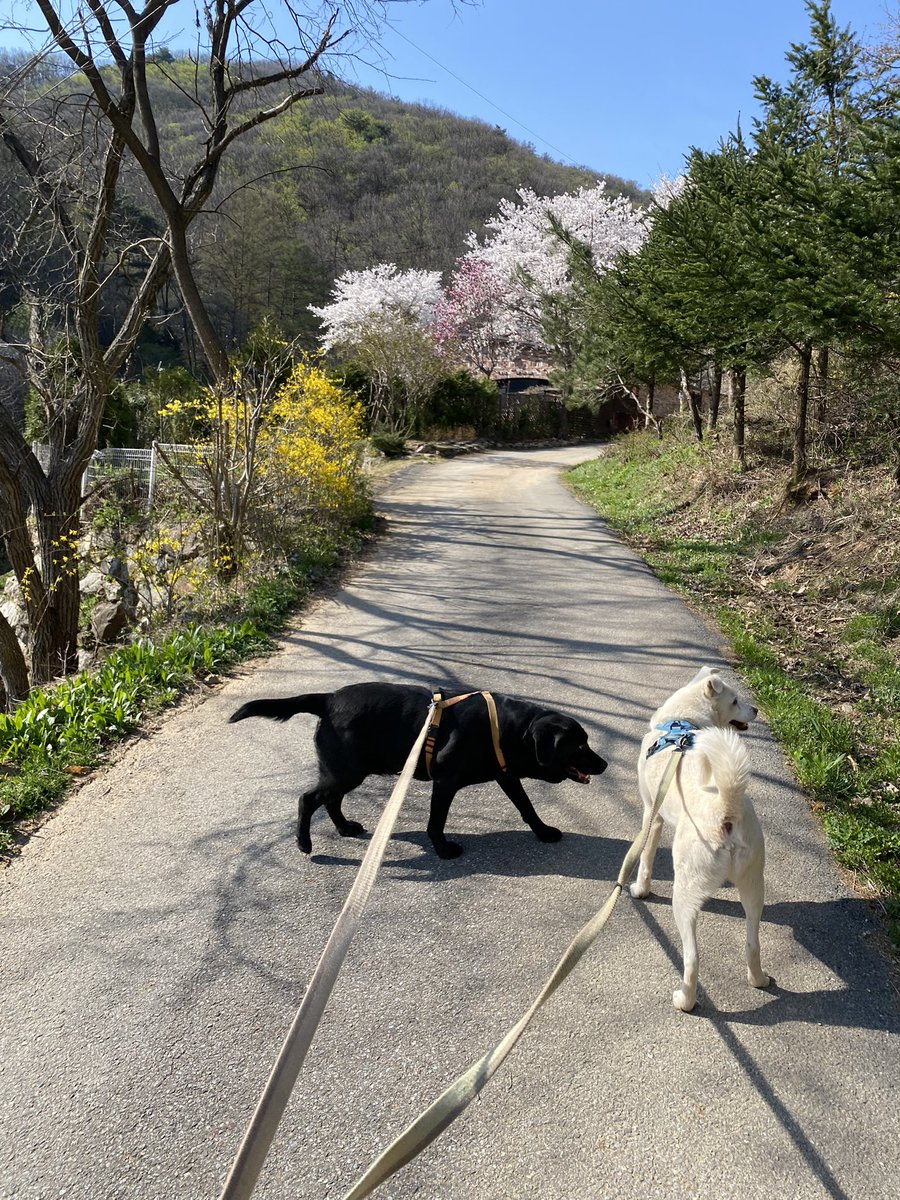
546 733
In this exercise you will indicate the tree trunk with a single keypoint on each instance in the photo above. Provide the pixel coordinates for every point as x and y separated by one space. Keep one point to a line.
798 463
822 385
693 398
737 387
43 550
213 349
13 668
54 630
715 397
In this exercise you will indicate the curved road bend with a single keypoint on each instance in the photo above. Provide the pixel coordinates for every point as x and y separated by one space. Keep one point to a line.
157 934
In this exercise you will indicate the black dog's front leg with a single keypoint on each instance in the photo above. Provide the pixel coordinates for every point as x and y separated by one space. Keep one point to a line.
441 798
513 788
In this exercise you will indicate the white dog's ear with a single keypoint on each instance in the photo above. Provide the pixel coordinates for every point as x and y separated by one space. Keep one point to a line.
713 686
703 672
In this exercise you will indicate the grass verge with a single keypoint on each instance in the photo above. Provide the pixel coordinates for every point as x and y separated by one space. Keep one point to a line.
63 732
832 698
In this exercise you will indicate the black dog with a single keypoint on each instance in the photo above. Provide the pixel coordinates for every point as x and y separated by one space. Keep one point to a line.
369 729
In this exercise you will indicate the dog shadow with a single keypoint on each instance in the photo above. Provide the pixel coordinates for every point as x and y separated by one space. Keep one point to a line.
833 932
509 853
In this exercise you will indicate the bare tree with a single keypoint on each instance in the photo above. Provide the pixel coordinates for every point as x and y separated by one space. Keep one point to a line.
80 140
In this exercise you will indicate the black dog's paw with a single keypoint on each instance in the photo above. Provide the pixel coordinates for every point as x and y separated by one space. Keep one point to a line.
352 829
445 849
304 842
548 833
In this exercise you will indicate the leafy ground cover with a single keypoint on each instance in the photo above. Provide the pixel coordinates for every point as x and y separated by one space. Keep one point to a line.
809 597
62 733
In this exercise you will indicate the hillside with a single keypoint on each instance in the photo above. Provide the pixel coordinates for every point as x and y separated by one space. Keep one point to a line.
351 179
343 181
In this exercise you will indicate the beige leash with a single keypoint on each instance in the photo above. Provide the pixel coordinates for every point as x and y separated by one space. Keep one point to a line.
448 1106
252 1154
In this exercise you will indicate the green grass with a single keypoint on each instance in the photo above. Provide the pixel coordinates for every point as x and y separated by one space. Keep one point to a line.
62 732
848 763
642 489
853 784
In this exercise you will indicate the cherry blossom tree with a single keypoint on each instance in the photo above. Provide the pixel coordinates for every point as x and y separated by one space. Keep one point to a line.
382 317
666 189
531 262
381 297
471 318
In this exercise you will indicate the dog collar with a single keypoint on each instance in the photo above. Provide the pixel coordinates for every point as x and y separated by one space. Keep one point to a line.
675 735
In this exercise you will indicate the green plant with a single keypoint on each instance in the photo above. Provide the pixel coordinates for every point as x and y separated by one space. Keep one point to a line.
389 443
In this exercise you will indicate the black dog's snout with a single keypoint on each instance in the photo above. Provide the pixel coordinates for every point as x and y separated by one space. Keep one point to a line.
591 763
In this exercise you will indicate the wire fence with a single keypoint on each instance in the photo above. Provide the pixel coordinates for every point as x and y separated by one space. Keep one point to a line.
145 468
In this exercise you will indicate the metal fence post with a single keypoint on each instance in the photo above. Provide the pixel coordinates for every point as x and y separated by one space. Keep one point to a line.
85 478
151 487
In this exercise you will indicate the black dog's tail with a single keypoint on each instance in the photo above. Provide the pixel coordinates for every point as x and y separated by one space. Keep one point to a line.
283 709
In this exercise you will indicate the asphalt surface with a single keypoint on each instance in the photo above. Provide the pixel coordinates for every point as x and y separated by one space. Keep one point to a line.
157 934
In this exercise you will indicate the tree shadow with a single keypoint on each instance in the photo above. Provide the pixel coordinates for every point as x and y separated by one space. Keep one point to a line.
831 931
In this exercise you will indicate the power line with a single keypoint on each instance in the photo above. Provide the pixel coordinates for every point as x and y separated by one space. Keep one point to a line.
486 99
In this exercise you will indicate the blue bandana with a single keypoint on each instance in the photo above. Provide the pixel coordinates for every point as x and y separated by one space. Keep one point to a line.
675 735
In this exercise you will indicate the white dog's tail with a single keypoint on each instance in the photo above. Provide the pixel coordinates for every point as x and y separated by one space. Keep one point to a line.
729 765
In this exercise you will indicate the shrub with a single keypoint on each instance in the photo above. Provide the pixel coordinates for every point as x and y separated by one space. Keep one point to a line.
309 448
458 400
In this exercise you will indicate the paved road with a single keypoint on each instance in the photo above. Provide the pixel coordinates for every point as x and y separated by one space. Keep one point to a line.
157 935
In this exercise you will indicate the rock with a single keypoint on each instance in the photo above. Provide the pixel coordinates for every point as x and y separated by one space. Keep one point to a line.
108 621
116 568
92 584
13 608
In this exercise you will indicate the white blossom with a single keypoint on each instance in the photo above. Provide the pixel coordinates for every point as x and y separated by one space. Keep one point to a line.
530 259
378 297
666 189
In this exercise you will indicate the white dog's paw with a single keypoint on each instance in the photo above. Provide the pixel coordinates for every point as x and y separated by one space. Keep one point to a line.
683 999
758 979
639 890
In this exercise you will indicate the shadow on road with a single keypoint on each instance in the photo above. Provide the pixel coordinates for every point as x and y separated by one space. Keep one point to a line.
829 931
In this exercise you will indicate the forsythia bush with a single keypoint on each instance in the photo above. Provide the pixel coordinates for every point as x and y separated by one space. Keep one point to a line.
271 464
308 445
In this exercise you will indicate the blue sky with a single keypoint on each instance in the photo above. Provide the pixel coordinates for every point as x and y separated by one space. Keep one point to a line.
622 86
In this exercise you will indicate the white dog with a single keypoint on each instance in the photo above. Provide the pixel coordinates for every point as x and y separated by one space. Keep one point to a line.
717 834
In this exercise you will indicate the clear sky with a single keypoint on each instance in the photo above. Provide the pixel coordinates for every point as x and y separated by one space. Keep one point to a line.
622 86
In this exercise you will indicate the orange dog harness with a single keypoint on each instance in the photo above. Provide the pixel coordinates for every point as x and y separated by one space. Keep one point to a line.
440 704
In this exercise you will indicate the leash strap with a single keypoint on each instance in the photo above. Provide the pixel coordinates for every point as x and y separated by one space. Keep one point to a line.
440 704
448 1106
252 1154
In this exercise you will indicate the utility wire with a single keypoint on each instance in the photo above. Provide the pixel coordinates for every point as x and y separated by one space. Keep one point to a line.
486 99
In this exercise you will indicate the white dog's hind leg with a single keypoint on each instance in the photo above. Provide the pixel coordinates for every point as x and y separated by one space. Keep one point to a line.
686 907
750 890
641 885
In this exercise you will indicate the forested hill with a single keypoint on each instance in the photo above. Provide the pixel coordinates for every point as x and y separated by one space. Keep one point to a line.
342 181
347 180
